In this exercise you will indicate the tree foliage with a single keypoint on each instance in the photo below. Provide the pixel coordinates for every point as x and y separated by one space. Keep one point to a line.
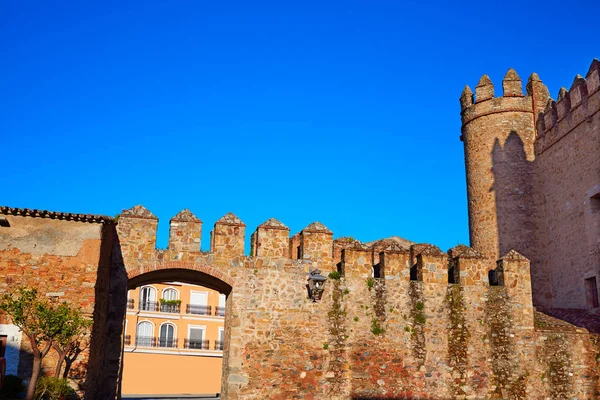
46 325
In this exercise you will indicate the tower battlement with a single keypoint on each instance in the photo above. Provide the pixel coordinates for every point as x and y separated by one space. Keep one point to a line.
484 103
571 108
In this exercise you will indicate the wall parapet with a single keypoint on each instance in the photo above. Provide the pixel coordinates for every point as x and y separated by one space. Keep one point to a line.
572 108
484 102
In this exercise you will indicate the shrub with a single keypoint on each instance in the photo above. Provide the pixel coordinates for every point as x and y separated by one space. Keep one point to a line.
334 275
376 329
13 385
51 388
370 283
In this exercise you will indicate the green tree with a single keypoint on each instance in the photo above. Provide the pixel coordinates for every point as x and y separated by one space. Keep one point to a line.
37 318
71 339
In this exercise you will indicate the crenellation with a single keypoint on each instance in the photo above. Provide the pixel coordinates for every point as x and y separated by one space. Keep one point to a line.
573 107
295 249
316 242
185 232
357 260
271 239
139 226
395 262
512 85
339 244
227 236
432 265
514 275
469 266
484 89
593 77
467 98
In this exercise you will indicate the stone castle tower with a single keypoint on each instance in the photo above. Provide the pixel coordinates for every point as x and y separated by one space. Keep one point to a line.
533 174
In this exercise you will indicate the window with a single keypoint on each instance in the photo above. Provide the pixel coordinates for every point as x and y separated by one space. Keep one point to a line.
198 303
148 299
170 294
195 338
591 291
376 271
168 302
221 341
145 334
167 336
221 308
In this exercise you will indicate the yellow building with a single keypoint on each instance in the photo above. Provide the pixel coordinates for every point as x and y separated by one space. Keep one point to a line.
173 340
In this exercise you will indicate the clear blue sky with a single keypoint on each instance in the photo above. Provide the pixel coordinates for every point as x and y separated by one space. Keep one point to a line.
344 112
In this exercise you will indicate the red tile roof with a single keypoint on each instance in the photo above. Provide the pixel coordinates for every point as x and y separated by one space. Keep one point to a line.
27 212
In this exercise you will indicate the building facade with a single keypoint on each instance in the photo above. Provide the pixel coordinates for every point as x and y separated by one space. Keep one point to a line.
173 342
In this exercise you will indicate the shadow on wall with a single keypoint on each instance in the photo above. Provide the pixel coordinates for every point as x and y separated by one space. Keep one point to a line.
106 345
513 186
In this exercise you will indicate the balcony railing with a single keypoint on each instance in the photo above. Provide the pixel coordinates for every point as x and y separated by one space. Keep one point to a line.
170 308
220 311
127 340
198 309
196 344
145 341
219 345
130 304
149 306
164 342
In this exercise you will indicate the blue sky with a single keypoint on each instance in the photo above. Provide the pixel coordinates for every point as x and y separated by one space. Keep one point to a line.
344 112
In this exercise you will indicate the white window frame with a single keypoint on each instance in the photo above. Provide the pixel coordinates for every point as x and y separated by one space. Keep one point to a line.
137 327
174 331
149 287
177 295
198 291
203 327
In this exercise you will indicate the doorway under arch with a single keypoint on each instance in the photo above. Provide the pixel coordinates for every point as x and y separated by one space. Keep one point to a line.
179 345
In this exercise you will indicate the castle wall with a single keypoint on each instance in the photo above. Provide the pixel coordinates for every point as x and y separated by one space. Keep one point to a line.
567 168
390 337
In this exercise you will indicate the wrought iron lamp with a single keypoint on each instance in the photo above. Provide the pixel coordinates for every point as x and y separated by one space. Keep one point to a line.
316 284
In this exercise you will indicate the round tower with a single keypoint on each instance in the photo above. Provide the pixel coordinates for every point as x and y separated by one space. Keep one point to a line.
498 135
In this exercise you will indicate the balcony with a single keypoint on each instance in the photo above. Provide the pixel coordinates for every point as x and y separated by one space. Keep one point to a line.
170 308
170 343
149 306
219 345
220 311
130 304
198 309
145 341
196 344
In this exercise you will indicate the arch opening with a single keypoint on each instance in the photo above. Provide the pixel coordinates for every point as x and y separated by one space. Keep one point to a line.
177 347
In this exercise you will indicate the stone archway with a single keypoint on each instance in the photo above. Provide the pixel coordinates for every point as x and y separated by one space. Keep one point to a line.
188 273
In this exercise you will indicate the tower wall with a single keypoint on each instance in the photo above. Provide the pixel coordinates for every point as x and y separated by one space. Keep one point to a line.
498 135
567 168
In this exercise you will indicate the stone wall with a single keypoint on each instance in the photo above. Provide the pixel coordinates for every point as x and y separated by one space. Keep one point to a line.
387 337
61 255
568 177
